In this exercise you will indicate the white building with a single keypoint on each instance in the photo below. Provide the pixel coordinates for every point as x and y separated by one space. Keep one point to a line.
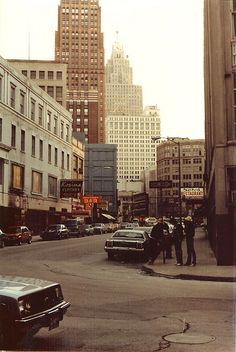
35 152
133 135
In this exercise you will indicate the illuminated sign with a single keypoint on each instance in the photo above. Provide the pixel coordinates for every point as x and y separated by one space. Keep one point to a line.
192 193
90 199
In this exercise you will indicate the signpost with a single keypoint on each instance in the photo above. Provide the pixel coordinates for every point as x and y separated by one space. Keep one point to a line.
160 184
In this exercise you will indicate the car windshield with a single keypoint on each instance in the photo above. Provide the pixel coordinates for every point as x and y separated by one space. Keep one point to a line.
13 229
98 224
71 223
127 234
53 227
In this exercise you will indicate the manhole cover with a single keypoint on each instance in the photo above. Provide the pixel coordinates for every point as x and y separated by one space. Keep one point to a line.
189 338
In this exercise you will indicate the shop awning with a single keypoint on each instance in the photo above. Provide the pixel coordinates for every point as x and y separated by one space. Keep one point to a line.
108 216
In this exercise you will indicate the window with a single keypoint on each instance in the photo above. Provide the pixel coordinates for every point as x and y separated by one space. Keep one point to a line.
24 72
22 103
50 91
67 133
32 109
17 176
58 93
49 121
62 130
62 160
33 74
50 74
59 74
68 162
49 153
33 146
22 144
13 96
55 125
37 183
41 75
41 149
13 136
40 115
55 156
52 186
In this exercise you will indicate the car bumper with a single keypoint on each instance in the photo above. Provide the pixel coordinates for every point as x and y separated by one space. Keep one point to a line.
123 249
50 318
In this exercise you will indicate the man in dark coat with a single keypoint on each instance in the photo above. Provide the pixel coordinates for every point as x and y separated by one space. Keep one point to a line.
157 240
178 235
189 230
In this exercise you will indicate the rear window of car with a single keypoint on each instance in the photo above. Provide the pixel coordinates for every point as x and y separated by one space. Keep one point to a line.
13 229
126 234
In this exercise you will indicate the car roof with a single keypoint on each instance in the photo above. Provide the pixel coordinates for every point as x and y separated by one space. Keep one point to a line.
17 286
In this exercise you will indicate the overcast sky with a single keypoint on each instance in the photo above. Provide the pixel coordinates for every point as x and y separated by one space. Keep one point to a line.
162 38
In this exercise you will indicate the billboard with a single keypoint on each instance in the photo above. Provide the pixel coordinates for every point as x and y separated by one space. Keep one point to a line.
192 193
160 184
70 188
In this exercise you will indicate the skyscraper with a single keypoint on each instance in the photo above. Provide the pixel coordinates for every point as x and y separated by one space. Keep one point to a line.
122 97
79 43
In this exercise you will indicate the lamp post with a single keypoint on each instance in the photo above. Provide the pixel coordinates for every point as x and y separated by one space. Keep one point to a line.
175 140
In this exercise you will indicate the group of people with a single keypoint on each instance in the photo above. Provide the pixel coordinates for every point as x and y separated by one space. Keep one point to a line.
162 241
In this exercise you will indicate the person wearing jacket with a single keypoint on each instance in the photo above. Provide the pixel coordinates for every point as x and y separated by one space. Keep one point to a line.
178 235
189 230
157 240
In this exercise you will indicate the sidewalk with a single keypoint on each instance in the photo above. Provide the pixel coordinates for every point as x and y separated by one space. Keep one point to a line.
205 270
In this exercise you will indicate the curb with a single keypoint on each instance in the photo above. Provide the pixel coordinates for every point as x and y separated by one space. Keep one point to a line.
151 272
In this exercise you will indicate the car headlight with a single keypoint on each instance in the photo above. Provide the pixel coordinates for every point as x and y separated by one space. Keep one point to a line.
109 244
139 245
24 306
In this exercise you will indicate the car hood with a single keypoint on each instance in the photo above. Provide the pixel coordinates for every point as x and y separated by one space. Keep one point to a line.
16 286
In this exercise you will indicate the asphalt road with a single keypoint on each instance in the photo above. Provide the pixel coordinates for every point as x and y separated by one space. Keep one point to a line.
116 307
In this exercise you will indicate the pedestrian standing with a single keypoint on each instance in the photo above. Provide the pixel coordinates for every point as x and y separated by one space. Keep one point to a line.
189 230
157 240
178 235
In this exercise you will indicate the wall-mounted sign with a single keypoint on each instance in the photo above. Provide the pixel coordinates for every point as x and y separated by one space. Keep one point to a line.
192 193
160 184
70 188
90 199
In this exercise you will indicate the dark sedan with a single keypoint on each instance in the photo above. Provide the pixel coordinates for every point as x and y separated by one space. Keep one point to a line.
55 232
128 242
26 306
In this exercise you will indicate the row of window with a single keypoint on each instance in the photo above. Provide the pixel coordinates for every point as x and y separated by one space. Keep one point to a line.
18 181
42 74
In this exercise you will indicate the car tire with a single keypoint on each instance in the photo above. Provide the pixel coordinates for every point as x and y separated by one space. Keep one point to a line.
29 240
19 243
110 256
2 244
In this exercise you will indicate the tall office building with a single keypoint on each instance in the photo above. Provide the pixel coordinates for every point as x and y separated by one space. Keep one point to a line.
220 126
122 97
79 43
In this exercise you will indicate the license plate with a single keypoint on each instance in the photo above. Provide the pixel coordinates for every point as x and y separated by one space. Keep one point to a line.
54 323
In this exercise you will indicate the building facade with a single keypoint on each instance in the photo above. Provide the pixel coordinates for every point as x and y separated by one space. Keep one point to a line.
133 136
220 126
48 75
35 152
181 161
79 44
101 175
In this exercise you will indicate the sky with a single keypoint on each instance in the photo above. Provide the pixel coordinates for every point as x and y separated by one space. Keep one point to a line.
162 38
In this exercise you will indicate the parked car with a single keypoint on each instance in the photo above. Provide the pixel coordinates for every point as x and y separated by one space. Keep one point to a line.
128 241
148 229
18 235
86 230
26 306
55 232
99 228
73 226
124 225
2 239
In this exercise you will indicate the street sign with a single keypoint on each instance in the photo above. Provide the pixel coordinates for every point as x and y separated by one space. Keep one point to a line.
160 184
90 199
70 188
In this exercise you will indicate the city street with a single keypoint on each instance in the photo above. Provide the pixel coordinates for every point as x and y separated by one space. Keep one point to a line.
117 307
